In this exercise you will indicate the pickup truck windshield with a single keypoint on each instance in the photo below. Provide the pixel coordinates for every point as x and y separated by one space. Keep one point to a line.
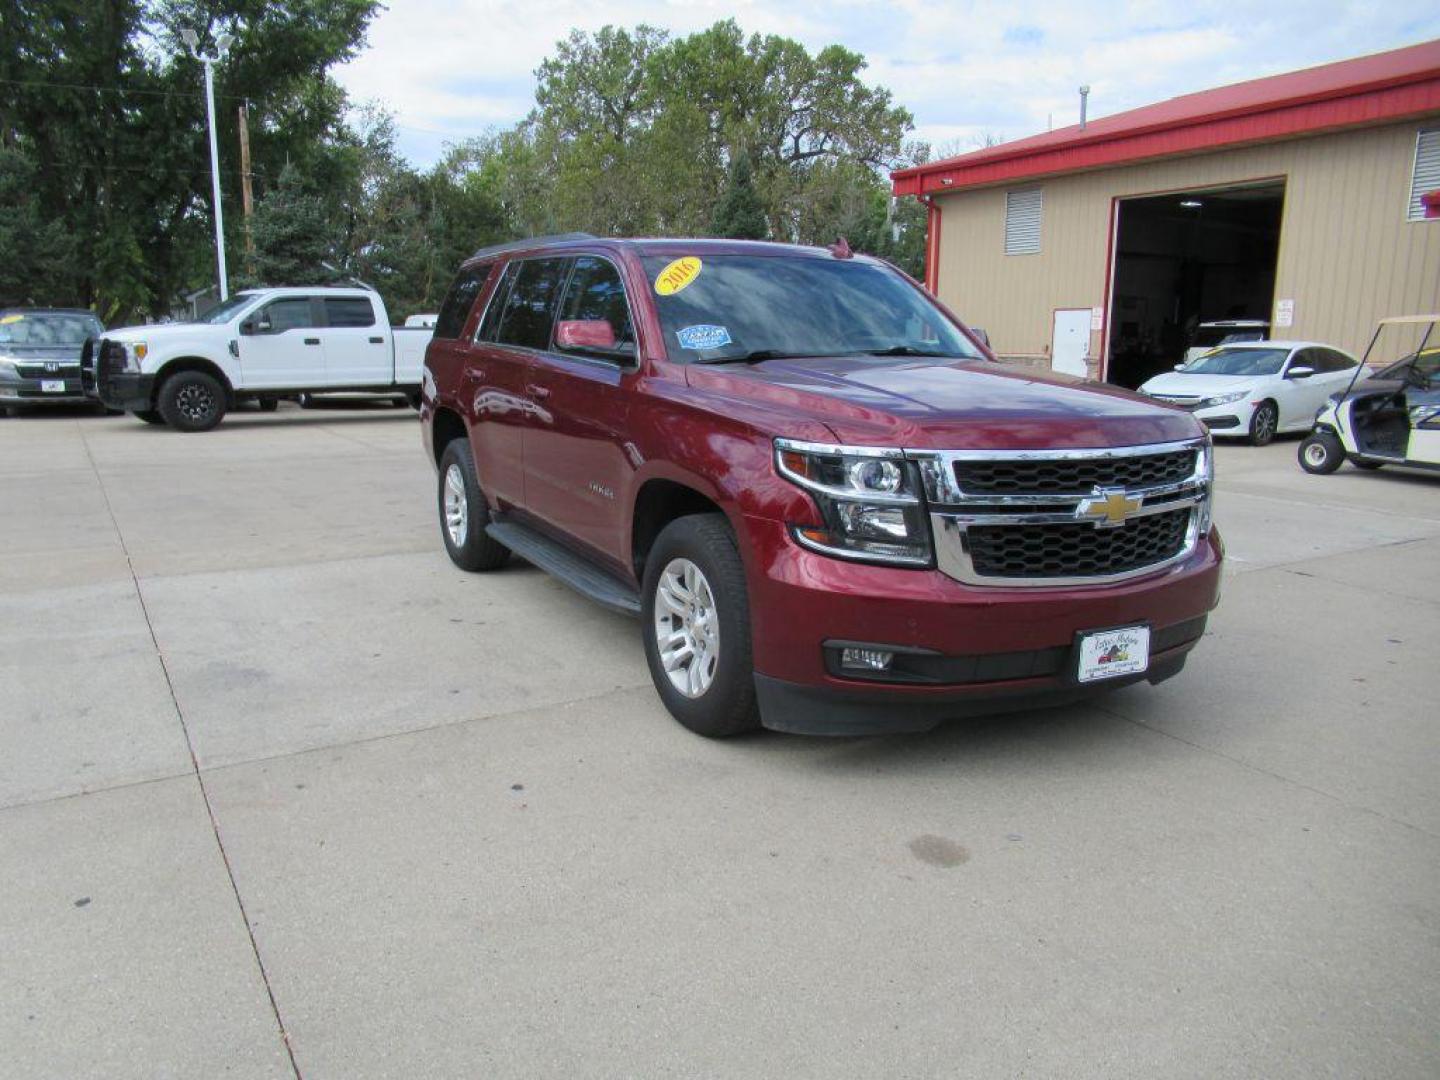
717 308
1224 361
222 313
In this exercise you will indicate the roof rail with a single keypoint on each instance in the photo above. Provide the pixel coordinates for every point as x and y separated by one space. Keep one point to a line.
529 242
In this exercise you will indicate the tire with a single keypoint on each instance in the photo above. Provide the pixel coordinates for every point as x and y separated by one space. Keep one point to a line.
1321 453
1369 466
150 416
413 400
305 401
463 513
1264 424
718 695
192 401
269 404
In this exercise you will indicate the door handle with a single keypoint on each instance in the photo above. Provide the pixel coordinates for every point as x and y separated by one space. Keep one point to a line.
535 390
377 341
312 341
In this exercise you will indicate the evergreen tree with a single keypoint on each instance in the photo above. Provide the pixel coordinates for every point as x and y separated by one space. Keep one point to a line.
741 214
293 234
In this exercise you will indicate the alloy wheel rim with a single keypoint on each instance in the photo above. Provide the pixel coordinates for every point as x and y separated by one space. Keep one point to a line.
457 506
1265 422
687 628
195 402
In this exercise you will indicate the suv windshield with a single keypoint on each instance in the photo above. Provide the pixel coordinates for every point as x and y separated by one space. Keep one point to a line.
1238 362
48 327
715 308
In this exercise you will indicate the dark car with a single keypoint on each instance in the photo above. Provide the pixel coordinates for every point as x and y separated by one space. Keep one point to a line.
40 355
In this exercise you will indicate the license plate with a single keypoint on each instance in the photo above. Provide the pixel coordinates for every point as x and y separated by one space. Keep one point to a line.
1108 654
52 386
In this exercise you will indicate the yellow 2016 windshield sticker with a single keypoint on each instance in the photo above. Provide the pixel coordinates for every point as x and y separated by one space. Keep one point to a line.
678 275
8 319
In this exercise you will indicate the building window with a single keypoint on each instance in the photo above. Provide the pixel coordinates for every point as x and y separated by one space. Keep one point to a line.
1022 222
1426 175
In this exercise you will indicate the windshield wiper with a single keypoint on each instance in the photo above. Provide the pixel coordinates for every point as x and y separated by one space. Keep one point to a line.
910 350
754 356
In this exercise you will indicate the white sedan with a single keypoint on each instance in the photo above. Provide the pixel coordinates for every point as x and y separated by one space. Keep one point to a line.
1255 389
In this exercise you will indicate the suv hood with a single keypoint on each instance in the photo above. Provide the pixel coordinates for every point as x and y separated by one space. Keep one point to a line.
938 403
1175 384
40 352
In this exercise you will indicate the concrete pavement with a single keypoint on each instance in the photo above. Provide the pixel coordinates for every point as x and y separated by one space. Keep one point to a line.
275 777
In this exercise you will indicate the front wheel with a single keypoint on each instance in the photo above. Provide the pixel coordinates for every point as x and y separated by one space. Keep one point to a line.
1264 424
1321 453
463 513
192 401
696 625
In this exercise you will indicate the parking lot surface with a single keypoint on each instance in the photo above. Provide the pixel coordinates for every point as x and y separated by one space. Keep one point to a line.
284 793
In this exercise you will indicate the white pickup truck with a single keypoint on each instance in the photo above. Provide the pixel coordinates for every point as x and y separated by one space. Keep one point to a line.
263 345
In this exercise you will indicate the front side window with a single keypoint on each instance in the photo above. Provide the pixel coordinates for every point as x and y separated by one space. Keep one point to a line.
290 314
596 294
1232 361
349 311
718 308
529 311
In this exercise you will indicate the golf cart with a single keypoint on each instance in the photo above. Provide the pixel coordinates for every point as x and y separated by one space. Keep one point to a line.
1390 418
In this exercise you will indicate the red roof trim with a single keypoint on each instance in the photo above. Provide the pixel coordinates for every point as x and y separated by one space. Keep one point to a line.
1349 94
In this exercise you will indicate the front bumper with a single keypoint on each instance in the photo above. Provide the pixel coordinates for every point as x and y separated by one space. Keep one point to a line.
994 648
1232 419
17 389
126 390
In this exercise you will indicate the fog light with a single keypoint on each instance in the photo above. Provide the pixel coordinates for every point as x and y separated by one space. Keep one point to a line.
866 659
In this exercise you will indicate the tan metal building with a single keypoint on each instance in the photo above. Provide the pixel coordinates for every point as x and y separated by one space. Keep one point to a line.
1296 199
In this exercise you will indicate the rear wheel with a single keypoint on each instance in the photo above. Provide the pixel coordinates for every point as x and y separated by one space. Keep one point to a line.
192 401
150 416
1370 465
1264 423
1321 453
269 404
464 513
696 620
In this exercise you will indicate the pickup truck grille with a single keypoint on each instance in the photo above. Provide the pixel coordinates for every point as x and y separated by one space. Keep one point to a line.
1066 518
1053 551
1072 476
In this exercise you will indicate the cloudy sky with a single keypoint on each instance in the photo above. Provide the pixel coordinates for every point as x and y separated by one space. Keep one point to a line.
453 68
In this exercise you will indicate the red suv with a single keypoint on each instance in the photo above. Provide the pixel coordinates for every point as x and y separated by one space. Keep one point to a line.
832 510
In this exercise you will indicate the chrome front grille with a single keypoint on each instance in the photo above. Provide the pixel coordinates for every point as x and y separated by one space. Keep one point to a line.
1066 517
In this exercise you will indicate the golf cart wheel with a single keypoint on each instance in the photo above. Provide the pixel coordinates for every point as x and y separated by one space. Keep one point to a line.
1321 453
1264 424
1368 466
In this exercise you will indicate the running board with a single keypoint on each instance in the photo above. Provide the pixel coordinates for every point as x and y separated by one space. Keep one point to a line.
574 570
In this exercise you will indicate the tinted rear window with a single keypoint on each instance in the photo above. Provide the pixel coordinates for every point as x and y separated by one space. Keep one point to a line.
455 311
349 311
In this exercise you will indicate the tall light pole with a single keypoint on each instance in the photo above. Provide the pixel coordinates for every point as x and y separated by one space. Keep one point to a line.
222 46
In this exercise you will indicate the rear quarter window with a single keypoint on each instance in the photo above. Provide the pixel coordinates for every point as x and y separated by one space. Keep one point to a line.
455 311
351 311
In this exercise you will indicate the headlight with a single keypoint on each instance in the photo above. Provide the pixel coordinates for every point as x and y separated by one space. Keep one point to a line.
869 501
8 362
135 351
1224 399
1206 468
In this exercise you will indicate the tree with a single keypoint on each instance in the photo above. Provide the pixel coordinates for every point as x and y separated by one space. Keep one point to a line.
741 214
294 235
39 255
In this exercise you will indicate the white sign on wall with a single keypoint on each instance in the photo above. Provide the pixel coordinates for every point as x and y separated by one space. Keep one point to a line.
1285 313
1097 319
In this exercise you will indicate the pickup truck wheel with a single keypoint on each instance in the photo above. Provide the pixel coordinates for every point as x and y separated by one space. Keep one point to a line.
150 416
269 404
192 401
696 616
463 513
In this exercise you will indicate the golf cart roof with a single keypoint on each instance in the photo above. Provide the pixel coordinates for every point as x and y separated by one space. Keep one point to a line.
1402 320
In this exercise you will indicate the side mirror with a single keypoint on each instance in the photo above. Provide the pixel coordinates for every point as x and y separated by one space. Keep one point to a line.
1300 373
247 328
1179 367
585 334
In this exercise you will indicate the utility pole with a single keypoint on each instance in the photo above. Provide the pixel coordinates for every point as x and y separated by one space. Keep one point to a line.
247 196
222 46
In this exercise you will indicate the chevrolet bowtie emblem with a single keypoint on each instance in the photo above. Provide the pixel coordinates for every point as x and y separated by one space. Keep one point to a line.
1108 506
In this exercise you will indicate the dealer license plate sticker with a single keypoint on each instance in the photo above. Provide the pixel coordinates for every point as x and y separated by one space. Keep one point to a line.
52 386
1109 654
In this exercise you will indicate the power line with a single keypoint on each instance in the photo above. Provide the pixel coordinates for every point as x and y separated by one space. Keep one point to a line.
46 83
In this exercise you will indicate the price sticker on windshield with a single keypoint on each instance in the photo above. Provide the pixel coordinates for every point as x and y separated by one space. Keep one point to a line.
679 275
